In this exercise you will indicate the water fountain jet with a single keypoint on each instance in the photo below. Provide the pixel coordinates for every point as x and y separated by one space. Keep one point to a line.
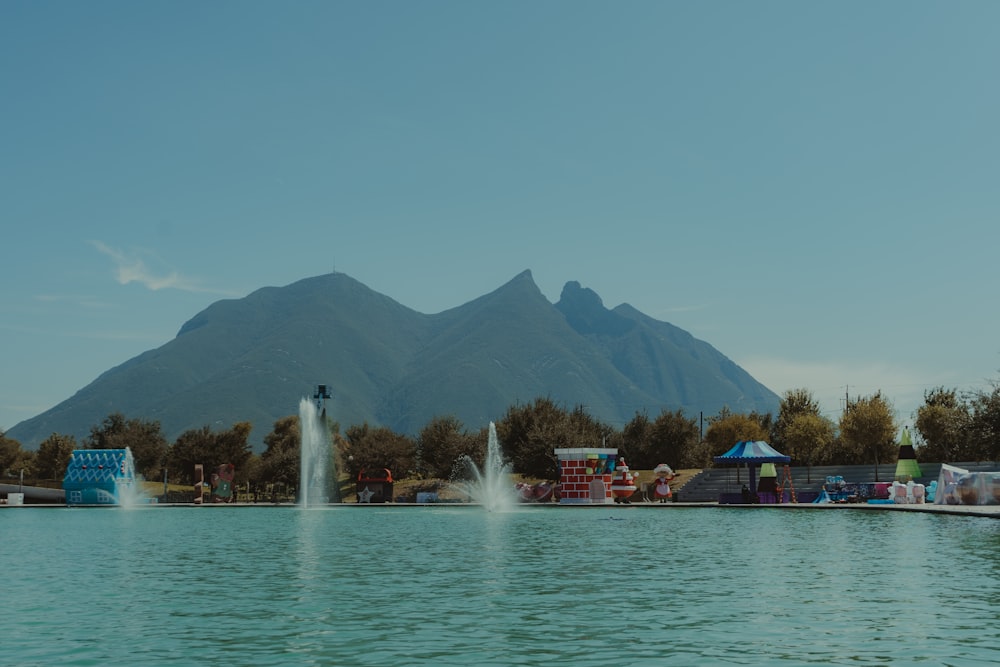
490 487
314 452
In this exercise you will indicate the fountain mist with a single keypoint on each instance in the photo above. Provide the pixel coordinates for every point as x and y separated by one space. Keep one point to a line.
490 487
314 455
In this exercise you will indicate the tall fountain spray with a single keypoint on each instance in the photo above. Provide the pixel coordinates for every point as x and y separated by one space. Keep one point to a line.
490 487
315 451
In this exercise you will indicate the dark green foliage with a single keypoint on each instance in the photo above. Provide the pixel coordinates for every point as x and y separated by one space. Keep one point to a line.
192 448
202 446
944 422
443 442
800 431
984 431
954 428
527 431
13 459
868 431
373 448
809 439
149 447
232 445
280 461
53 456
670 439
529 434
728 428
793 403
959 426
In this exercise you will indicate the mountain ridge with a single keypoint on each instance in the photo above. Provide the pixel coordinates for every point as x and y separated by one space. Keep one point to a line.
252 359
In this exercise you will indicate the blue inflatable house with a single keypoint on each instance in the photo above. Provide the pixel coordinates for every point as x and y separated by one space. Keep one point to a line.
100 477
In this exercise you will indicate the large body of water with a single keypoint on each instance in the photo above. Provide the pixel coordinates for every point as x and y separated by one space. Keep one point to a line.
448 585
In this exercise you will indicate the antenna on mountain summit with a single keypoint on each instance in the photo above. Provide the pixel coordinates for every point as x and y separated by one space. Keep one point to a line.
322 393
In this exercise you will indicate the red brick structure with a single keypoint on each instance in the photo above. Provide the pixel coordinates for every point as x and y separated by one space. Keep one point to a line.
585 475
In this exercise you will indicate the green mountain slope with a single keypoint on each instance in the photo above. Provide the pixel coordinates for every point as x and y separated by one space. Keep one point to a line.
253 359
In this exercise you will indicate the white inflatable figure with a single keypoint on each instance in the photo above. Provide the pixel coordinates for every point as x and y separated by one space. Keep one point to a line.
950 495
899 493
661 489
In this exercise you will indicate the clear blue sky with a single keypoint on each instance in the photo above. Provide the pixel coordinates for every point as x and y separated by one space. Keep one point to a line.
811 187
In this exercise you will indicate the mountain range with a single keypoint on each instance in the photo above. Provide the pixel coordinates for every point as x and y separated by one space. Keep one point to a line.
253 359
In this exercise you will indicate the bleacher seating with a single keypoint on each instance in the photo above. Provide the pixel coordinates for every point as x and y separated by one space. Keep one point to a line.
709 484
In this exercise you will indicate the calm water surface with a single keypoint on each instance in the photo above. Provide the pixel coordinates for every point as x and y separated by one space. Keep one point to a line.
458 586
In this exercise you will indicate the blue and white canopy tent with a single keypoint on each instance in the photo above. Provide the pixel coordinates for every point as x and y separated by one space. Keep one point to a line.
752 453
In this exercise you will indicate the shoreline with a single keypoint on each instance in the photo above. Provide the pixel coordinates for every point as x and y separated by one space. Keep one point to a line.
987 511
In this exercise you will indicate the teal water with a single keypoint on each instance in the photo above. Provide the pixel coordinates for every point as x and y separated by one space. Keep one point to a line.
449 585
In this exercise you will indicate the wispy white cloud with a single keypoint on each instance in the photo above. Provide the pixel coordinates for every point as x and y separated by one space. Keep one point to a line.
131 267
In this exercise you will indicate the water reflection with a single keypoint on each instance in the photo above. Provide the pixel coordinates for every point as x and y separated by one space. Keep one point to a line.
538 586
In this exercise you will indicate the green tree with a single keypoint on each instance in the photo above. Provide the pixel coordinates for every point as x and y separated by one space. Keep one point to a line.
233 445
585 429
675 440
984 427
531 433
280 461
211 450
251 472
441 443
868 430
808 438
672 439
637 435
149 447
369 448
13 459
794 402
728 429
191 448
944 422
53 456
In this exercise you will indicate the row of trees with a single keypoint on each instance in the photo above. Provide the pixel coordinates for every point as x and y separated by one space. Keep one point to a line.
952 426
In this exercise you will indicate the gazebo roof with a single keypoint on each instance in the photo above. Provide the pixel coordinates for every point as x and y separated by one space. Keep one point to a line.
752 451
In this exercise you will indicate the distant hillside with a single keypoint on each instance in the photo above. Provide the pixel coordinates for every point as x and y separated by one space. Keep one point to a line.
253 359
